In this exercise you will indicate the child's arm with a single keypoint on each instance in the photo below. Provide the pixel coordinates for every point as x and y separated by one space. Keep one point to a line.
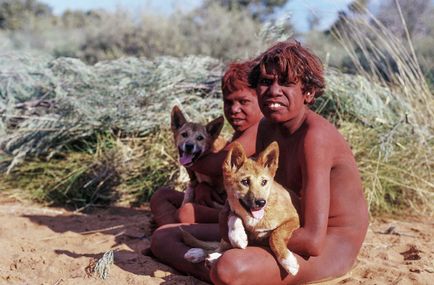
316 166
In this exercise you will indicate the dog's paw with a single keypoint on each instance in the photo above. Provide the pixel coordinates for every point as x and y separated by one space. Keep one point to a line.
195 255
212 258
237 235
238 238
290 263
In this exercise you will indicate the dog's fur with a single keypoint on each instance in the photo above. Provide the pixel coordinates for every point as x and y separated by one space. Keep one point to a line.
261 209
193 140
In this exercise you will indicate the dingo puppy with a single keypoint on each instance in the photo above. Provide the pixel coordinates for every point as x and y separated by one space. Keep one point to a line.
261 209
194 140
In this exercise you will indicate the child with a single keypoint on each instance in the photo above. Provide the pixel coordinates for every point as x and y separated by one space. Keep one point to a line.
243 114
315 162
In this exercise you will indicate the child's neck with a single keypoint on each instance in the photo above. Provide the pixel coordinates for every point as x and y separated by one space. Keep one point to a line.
291 126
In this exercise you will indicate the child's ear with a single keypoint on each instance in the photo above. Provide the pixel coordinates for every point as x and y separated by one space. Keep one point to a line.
234 159
177 118
269 158
309 97
215 127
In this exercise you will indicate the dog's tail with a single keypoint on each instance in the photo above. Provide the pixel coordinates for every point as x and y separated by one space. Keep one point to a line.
191 241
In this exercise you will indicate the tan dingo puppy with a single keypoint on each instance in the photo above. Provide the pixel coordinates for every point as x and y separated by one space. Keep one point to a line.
261 209
194 140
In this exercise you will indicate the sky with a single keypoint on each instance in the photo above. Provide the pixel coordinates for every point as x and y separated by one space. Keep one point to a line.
297 9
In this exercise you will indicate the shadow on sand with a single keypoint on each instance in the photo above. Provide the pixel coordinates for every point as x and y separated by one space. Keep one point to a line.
130 228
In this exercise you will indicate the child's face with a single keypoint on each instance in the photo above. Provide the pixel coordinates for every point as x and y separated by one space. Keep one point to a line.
279 99
241 109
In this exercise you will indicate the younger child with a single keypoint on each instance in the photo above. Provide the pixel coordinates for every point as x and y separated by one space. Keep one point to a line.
243 114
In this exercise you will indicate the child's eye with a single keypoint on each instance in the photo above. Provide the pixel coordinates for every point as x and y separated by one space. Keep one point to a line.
184 134
245 182
263 182
285 82
265 81
199 137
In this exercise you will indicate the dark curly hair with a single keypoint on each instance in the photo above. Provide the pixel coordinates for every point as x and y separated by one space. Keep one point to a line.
293 62
236 77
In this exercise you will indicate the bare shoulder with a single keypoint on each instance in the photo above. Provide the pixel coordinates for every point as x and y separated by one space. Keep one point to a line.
322 135
319 129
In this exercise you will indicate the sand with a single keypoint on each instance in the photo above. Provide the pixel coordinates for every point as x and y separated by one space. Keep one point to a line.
41 245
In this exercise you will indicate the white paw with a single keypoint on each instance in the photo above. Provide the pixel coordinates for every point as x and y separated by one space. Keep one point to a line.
195 255
212 258
238 239
290 263
237 235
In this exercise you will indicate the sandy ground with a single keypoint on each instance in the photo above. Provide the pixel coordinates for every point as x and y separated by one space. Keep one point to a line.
54 246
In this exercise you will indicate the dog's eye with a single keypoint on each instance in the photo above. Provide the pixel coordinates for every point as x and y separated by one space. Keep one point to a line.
245 182
264 182
184 134
199 137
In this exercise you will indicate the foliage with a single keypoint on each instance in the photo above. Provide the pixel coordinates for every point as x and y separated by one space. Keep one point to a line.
107 140
378 54
16 14
46 105
365 37
415 14
101 170
396 169
98 35
258 9
79 134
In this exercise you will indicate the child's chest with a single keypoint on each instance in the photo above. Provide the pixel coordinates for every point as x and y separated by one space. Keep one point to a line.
289 173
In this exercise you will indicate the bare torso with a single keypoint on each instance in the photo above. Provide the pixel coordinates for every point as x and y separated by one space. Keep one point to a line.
345 182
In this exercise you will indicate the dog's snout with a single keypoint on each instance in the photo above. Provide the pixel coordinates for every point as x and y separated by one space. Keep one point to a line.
260 202
189 147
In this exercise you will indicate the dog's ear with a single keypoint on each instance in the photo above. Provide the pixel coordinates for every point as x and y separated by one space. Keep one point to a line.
177 118
234 159
215 127
269 158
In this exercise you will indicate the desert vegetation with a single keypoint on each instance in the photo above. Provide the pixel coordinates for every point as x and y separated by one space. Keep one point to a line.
85 96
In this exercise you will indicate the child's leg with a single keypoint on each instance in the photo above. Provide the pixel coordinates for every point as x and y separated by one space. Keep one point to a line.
167 245
194 213
164 205
256 265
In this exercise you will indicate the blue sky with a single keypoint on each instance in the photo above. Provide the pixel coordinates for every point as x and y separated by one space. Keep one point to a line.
298 9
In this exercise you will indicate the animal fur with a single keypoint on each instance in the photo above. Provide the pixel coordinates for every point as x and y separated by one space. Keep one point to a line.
194 140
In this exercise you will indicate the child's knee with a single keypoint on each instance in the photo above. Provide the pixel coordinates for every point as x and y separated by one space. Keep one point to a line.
185 213
161 238
228 270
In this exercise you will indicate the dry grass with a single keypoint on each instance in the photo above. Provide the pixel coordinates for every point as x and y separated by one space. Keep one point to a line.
106 139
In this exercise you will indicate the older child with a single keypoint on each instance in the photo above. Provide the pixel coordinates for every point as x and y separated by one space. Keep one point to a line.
315 162
243 114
